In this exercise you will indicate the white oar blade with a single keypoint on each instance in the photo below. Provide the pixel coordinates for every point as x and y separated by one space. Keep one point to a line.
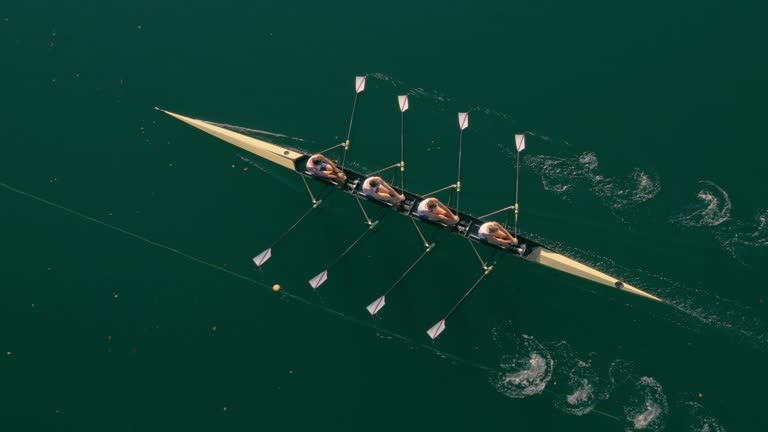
403 102
376 306
318 280
463 120
261 258
520 142
359 84
436 329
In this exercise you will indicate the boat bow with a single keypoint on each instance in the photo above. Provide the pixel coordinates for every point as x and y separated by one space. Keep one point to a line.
279 155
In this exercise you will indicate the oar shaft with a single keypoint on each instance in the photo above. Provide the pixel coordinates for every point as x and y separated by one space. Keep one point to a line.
349 131
314 206
517 190
485 273
370 228
458 181
423 254
293 226
402 150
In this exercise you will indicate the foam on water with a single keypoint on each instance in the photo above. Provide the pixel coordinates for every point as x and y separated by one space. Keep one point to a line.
525 368
530 367
581 395
435 96
417 92
713 211
648 406
577 385
696 305
701 419
523 377
745 234
567 175
713 208
381 76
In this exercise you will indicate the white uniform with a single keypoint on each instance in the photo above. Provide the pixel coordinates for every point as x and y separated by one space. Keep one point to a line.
423 210
316 169
484 231
370 190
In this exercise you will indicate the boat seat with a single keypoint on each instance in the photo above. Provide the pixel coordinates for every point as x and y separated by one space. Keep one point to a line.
406 206
463 226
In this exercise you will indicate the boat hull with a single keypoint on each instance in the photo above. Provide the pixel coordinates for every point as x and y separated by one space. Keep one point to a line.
467 227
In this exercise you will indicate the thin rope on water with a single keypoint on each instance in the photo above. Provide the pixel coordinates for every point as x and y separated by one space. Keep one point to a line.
247 279
300 299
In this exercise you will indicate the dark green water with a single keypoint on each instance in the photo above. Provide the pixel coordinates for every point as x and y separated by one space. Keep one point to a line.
645 149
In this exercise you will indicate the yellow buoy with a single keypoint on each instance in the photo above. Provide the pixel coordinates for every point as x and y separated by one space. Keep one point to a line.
275 287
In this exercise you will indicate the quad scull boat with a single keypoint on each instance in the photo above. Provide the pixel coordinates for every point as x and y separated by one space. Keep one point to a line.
467 227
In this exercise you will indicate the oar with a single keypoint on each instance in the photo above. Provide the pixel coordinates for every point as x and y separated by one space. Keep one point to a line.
261 258
520 144
379 303
359 87
463 124
402 101
321 277
438 328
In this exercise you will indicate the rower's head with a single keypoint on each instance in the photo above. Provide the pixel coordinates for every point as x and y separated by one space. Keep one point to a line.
432 204
493 229
375 183
316 161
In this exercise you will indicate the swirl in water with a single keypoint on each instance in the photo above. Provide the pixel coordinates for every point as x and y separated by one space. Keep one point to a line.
702 420
524 373
522 377
713 208
565 175
648 407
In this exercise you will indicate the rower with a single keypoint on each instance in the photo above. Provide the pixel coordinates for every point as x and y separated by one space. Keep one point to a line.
432 209
321 166
380 190
495 234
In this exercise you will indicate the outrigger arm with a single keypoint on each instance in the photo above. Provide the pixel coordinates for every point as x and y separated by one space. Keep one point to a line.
397 165
453 186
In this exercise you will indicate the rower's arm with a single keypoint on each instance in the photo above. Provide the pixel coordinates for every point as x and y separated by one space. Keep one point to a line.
330 163
447 211
390 190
